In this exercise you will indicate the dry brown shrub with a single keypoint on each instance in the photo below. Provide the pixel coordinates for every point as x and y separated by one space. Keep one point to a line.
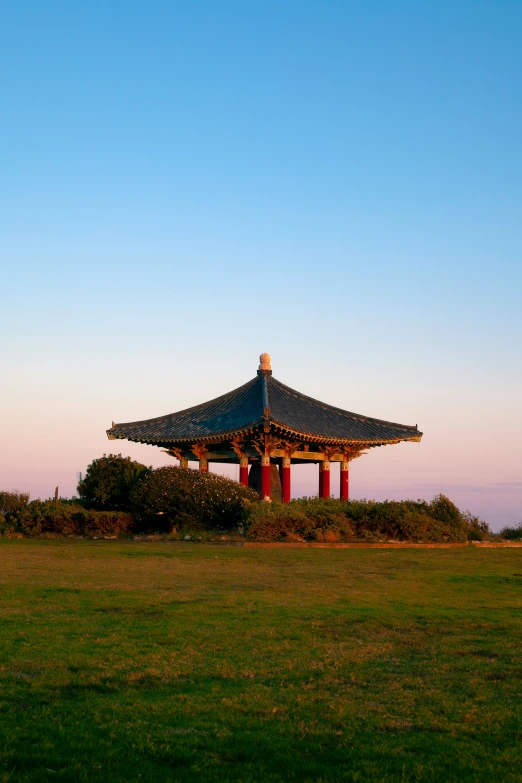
331 536
293 537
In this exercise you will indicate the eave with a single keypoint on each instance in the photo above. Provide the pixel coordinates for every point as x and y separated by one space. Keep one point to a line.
258 428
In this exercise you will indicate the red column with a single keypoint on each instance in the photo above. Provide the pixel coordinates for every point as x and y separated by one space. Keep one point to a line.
324 479
243 471
203 464
265 477
183 462
343 494
285 479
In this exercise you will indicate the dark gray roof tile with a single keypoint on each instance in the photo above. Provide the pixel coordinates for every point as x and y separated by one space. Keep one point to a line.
246 408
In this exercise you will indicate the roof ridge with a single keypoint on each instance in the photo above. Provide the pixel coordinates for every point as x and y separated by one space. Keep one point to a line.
266 400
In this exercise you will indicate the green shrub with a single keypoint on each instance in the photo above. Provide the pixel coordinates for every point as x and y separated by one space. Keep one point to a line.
12 501
48 516
415 526
477 529
172 496
109 481
7 526
107 523
365 520
279 521
305 519
65 519
512 533
328 518
442 509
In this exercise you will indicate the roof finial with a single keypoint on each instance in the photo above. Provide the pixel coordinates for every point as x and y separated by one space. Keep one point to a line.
265 363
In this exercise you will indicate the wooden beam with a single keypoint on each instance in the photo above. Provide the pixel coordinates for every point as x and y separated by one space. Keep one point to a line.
230 456
311 456
306 456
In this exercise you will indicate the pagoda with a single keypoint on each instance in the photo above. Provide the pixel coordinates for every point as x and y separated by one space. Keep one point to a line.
269 427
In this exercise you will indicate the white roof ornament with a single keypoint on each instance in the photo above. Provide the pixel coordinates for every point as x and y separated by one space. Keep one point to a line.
265 362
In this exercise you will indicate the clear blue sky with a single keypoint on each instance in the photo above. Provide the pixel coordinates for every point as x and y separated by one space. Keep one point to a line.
185 185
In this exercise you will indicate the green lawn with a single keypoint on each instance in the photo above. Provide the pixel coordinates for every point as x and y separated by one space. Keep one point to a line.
156 662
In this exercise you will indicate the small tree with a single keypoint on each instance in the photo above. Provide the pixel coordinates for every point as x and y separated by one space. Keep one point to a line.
109 481
442 509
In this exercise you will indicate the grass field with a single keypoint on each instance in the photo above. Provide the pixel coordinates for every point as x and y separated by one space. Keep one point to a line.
164 662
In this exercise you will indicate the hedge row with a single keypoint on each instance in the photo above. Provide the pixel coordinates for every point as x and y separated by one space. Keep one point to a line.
154 500
118 495
316 519
63 518
301 520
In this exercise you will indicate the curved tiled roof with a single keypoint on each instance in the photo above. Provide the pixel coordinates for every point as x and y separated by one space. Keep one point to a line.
262 401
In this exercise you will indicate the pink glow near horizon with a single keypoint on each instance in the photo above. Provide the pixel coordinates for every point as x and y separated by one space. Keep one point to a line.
43 448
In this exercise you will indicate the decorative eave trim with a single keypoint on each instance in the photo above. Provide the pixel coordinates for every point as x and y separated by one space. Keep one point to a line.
261 425
218 438
346 441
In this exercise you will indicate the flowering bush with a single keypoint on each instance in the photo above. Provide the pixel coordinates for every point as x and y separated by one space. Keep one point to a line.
172 496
